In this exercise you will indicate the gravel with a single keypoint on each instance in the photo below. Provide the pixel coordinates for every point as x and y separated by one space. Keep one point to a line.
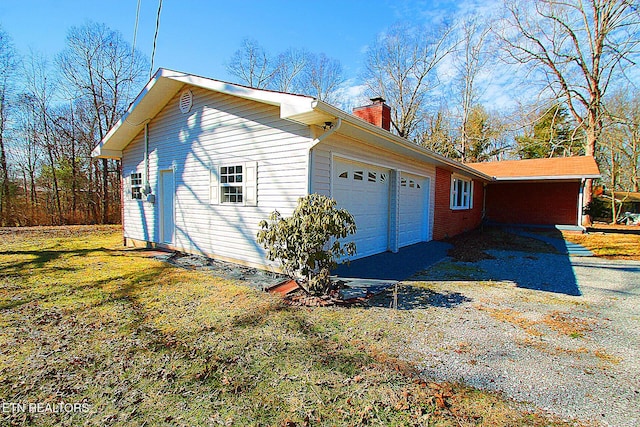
490 325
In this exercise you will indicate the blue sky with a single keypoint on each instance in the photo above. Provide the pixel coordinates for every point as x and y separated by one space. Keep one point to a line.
199 36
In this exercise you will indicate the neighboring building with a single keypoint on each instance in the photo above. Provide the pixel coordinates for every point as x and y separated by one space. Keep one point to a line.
204 161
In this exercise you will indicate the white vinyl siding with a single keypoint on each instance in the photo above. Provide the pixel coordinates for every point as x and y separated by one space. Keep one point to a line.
219 130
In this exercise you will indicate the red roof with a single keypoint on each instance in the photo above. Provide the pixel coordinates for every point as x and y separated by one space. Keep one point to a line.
556 168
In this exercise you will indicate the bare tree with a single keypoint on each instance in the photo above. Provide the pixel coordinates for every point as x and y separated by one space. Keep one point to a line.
27 154
98 65
8 66
438 135
39 91
252 66
401 67
621 153
322 77
290 66
470 60
294 70
580 47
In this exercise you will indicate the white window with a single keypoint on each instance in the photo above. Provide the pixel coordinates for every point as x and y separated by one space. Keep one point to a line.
461 193
231 184
136 186
234 184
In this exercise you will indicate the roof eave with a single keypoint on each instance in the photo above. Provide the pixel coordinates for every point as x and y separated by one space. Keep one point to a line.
331 111
164 85
546 178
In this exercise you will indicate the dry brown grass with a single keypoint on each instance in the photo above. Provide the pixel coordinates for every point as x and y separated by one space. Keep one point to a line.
146 343
472 246
566 324
512 316
603 355
608 245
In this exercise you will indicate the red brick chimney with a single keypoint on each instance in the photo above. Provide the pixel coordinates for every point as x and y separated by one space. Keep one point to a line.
378 113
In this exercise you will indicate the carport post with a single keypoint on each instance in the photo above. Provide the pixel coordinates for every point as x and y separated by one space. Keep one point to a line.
580 202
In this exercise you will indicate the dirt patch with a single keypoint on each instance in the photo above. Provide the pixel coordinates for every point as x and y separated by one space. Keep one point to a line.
247 276
473 246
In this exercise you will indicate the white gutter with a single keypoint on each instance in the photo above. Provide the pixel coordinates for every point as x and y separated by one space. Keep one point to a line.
371 128
546 178
315 142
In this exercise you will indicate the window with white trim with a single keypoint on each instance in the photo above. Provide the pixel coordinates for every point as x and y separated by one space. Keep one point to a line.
231 184
234 184
136 186
461 193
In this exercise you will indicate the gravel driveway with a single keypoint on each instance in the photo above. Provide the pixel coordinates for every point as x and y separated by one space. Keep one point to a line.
556 333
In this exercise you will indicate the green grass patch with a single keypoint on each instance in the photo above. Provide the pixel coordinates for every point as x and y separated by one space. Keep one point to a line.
145 343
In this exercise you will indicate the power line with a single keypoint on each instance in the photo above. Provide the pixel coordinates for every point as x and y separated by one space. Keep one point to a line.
155 37
135 30
133 49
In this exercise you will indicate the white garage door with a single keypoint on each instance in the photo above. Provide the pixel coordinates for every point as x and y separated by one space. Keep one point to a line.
364 191
413 213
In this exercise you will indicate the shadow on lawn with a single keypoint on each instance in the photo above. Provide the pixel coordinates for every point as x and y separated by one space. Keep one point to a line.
38 259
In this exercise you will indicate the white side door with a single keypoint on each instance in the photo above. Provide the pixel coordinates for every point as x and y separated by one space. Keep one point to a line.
167 206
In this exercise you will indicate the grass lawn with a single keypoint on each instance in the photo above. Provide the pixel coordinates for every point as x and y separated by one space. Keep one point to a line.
609 245
144 343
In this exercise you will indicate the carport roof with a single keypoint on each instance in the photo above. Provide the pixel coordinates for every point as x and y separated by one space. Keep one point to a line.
552 169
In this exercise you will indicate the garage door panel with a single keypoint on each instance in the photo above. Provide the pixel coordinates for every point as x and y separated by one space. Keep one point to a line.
364 191
413 209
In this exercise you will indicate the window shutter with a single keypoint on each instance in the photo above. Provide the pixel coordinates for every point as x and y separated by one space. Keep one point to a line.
214 186
471 195
251 184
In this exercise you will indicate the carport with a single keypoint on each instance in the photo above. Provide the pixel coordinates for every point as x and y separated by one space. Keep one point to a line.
537 191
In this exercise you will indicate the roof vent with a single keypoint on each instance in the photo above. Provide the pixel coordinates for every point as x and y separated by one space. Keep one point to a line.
186 101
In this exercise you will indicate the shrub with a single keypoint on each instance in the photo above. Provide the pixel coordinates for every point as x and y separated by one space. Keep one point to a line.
302 242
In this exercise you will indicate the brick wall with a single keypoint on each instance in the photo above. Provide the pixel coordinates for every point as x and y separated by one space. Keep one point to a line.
533 203
448 222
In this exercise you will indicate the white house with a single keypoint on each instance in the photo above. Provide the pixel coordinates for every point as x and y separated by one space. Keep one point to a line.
203 161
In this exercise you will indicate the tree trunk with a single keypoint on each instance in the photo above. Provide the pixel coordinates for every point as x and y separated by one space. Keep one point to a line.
105 191
5 197
592 132
56 193
612 159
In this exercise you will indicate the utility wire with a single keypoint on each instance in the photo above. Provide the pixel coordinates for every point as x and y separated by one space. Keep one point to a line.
155 37
135 31
133 50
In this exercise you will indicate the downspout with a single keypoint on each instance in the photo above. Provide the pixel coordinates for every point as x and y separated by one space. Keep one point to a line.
145 183
485 186
315 142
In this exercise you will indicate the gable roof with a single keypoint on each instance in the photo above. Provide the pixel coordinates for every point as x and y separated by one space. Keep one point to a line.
165 84
556 168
